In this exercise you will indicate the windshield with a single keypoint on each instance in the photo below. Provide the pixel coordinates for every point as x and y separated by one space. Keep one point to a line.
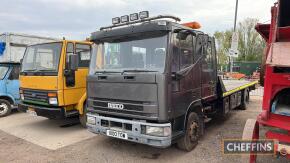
3 71
42 57
131 54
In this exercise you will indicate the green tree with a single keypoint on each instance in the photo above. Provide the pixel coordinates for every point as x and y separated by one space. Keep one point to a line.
251 44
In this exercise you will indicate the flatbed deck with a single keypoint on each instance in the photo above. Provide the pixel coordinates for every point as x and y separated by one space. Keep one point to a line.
232 86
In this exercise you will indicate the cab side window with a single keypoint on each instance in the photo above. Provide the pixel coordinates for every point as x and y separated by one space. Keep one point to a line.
84 53
69 51
14 75
182 52
186 56
208 55
198 48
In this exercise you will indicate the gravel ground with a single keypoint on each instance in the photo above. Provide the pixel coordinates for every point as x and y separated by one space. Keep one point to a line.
103 149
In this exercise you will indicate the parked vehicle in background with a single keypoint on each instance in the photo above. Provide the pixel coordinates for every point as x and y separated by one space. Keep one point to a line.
9 87
13 45
157 83
12 48
53 79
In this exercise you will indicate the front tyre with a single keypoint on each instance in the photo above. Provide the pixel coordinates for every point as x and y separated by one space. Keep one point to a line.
83 117
5 108
193 132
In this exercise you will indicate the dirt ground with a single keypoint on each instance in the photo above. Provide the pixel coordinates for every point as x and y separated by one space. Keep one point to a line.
17 147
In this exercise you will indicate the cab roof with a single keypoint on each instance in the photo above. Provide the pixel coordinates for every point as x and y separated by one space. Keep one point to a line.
157 26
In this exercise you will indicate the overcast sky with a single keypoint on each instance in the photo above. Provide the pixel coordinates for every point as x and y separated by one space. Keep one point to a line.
76 19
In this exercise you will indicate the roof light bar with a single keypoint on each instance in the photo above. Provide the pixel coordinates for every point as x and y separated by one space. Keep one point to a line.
136 18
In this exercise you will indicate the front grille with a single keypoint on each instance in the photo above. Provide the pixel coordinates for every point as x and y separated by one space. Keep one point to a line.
35 95
112 124
136 108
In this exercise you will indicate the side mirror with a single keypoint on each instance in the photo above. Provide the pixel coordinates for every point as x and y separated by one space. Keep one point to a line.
182 35
182 73
73 61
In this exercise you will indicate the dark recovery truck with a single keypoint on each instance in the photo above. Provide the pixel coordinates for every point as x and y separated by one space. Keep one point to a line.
154 81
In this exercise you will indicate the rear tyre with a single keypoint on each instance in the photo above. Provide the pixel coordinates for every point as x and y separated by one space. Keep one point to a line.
193 132
83 117
5 108
245 100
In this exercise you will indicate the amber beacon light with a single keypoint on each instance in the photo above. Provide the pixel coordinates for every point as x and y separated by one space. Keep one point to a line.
193 25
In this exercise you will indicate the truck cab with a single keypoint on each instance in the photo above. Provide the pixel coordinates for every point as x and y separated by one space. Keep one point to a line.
9 87
53 79
154 81
153 75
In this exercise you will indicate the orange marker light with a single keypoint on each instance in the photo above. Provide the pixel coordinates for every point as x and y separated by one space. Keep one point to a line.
51 94
193 25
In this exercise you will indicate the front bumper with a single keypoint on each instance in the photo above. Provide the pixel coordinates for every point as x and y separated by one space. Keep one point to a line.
48 112
134 132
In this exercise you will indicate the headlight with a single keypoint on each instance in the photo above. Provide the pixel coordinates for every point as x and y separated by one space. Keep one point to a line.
91 120
21 96
53 100
158 131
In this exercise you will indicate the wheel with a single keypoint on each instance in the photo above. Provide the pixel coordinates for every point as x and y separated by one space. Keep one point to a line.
5 108
245 100
251 132
83 117
194 128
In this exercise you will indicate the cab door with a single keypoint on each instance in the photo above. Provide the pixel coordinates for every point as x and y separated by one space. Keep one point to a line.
12 82
186 89
75 82
209 76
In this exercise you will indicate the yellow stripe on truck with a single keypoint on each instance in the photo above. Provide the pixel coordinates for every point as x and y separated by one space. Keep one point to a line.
239 88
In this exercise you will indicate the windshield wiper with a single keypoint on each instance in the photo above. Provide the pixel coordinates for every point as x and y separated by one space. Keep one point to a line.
138 71
45 70
31 70
107 72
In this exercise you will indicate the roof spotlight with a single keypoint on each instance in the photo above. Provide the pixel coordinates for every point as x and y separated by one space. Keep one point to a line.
144 14
134 16
116 20
125 19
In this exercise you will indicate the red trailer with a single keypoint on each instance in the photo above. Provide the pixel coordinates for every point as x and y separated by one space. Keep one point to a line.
275 115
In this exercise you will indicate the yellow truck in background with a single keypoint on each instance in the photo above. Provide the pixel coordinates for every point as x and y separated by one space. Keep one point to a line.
53 79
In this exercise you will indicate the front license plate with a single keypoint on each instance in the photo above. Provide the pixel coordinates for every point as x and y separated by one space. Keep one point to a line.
31 112
117 134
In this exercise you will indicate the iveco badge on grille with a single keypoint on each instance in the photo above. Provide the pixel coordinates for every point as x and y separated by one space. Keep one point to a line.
115 106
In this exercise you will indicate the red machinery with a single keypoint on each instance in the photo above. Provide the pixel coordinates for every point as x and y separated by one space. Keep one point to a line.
275 115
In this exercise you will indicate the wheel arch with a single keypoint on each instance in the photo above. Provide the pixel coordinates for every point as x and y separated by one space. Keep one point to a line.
195 106
8 98
81 104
